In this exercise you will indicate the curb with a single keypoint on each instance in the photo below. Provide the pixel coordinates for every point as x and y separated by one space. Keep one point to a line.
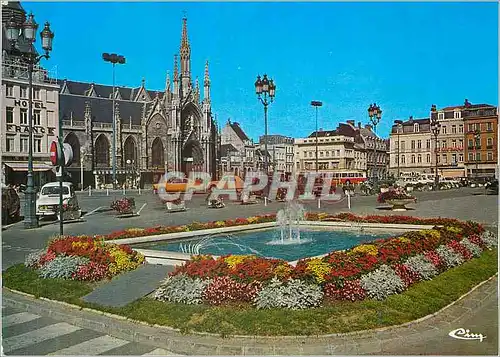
359 342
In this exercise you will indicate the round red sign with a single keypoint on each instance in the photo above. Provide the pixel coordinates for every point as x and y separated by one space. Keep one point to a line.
53 153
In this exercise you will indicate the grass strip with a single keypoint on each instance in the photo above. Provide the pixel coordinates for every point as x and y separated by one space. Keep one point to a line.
421 299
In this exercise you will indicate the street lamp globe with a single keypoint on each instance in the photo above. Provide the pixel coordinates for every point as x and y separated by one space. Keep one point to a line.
265 84
272 89
12 30
47 37
370 111
30 26
258 86
128 161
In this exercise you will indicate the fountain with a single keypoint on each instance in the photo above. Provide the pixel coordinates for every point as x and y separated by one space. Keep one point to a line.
209 241
288 220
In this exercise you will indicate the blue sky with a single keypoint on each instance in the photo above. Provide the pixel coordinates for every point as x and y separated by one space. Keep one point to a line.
404 56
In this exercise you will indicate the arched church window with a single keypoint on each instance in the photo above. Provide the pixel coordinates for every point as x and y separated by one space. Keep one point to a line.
130 150
102 151
157 153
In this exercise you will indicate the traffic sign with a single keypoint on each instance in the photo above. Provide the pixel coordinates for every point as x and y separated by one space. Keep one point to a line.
54 152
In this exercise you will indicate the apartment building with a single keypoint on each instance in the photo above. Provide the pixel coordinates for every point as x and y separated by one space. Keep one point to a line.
237 153
280 151
411 147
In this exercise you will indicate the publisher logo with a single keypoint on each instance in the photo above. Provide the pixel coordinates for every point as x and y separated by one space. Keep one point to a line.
465 334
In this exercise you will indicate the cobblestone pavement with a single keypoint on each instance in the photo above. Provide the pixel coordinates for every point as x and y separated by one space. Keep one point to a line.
25 333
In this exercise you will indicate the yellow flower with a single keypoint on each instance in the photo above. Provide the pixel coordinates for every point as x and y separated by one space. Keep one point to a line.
234 260
322 215
404 240
365 248
455 230
319 268
83 245
220 223
123 261
252 219
283 270
432 233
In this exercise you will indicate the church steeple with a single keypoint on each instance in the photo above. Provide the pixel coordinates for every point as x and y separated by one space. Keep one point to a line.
206 84
185 54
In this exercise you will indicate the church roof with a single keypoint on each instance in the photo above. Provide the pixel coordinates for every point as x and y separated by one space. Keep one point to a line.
239 131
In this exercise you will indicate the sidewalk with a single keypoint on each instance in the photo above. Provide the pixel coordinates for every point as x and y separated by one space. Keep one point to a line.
477 311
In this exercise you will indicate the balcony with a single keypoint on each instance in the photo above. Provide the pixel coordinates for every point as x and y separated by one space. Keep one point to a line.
15 69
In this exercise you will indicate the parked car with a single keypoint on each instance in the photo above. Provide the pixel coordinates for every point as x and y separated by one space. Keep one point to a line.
11 205
47 203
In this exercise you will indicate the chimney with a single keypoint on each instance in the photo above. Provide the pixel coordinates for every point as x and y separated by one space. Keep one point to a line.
368 126
359 125
351 122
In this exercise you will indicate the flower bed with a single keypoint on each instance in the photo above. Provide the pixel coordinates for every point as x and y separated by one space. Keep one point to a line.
83 258
374 270
123 205
394 194
341 217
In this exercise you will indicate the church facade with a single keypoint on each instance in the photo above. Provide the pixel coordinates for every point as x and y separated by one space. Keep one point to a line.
156 132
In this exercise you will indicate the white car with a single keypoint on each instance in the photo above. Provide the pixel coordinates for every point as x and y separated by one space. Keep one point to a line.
47 203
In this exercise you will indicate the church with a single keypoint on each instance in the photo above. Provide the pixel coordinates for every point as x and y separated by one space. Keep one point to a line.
156 132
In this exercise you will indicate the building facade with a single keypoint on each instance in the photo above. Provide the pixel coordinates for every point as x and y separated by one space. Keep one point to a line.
281 152
237 150
14 124
481 155
411 148
156 132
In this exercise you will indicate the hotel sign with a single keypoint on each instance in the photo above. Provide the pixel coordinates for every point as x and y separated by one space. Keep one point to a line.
24 103
26 129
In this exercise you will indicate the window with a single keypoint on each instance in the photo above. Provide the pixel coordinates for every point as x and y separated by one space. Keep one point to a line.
445 158
9 90
443 128
419 144
457 115
24 144
478 126
470 143
443 144
453 158
402 145
38 145
36 117
490 156
461 143
428 144
413 144
489 126
453 129
310 154
428 158
471 127
413 159
478 156
471 156
24 92
327 153
461 157
36 93
321 153
419 158
9 144
24 116
9 115
440 115
403 160
415 128
454 143
439 159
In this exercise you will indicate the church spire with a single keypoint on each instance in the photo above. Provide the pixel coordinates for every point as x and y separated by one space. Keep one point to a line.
185 54
206 81
167 82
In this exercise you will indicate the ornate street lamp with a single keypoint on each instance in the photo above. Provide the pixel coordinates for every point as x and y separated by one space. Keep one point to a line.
316 104
114 59
435 128
263 88
399 127
375 114
13 30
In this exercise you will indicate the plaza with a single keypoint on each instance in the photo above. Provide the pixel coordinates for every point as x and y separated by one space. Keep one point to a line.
400 256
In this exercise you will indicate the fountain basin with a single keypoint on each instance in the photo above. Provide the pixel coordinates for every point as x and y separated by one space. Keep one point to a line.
151 247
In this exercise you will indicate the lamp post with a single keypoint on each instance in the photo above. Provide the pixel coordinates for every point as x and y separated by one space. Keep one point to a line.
477 145
263 88
316 104
114 59
28 30
399 126
375 114
435 128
